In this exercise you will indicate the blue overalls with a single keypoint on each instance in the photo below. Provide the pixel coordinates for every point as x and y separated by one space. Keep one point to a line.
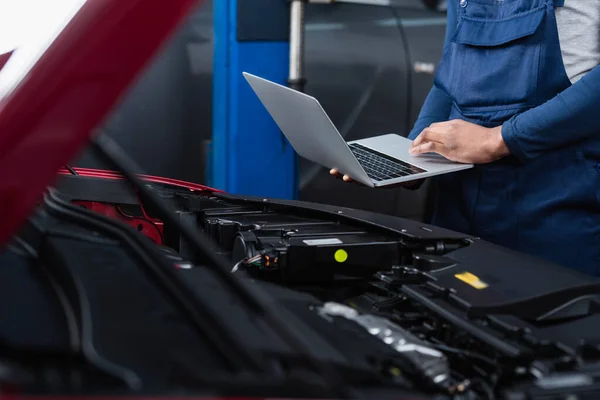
504 58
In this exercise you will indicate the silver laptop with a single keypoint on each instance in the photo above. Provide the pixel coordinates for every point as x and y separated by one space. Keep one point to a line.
376 161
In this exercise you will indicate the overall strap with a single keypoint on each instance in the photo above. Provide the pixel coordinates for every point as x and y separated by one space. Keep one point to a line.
559 3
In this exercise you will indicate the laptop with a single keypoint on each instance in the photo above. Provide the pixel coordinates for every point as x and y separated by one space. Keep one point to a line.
376 161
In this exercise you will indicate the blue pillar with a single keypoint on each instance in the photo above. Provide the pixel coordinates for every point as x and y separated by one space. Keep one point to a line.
249 154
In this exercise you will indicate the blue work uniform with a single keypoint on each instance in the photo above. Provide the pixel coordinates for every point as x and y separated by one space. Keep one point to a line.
502 66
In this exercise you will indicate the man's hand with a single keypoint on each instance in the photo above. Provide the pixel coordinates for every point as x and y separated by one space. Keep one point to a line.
462 142
347 178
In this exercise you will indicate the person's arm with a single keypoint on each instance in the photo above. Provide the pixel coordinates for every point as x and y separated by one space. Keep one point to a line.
435 109
569 117
438 104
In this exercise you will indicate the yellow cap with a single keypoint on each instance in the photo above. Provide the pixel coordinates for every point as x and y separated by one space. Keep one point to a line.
340 256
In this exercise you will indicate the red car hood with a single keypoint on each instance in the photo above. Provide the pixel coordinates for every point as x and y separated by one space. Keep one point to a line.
4 58
50 114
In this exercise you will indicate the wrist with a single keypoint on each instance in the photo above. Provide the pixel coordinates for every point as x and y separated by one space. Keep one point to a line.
497 147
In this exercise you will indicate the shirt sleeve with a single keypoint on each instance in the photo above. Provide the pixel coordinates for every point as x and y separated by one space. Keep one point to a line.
569 117
435 109
438 104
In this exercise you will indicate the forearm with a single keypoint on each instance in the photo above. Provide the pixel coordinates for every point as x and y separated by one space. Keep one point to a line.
438 104
570 117
435 109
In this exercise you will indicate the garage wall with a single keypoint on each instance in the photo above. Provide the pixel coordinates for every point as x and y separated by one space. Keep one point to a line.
165 119
164 122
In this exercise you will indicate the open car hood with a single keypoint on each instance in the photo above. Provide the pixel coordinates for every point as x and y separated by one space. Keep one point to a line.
55 92
4 58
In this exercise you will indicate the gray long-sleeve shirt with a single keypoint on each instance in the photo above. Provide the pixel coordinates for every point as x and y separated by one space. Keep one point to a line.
579 33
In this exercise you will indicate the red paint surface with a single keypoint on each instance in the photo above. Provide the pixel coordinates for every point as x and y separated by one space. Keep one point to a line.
99 173
4 58
51 115
151 227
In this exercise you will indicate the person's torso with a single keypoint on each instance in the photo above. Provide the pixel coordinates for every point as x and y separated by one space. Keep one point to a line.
505 58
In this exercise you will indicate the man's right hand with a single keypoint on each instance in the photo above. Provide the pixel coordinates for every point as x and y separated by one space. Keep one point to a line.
347 178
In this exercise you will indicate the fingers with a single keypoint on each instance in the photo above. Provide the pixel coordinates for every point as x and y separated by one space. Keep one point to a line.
429 135
437 132
345 178
430 147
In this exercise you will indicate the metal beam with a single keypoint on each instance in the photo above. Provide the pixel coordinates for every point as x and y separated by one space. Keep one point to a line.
296 79
249 154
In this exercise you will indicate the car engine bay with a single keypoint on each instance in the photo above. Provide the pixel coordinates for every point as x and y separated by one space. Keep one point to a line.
118 284
105 294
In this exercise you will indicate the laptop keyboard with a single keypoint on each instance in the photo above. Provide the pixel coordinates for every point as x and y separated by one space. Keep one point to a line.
381 167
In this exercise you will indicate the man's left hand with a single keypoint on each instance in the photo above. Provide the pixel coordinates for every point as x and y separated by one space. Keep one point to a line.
462 141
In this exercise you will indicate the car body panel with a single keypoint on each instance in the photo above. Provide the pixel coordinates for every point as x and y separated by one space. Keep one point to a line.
51 113
4 58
